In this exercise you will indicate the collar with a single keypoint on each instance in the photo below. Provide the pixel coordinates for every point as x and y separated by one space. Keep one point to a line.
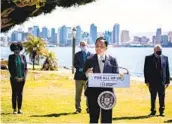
99 57
17 54
156 56
84 51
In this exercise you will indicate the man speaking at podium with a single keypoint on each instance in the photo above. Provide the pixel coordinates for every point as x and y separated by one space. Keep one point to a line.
99 63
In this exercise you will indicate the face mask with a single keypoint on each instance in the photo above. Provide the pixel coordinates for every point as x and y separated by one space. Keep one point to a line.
158 53
83 49
16 51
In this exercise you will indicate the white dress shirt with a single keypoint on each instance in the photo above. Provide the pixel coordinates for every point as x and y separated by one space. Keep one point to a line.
101 59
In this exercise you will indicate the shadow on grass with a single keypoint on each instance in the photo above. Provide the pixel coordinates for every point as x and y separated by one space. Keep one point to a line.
130 118
53 115
169 121
6 113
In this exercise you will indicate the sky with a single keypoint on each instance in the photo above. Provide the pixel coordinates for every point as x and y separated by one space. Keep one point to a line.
133 15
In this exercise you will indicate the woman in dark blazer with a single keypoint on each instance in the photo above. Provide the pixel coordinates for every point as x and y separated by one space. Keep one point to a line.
18 68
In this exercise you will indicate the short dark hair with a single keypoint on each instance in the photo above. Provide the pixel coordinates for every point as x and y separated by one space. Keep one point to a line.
102 38
16 46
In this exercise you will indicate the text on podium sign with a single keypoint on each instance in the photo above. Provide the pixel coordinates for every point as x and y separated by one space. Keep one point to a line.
109 80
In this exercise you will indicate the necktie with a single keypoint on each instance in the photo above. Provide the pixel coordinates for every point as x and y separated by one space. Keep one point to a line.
159 63
101 64
84 56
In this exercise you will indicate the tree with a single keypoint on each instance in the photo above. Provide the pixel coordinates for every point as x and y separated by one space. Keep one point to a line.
15 12
50 62
35 47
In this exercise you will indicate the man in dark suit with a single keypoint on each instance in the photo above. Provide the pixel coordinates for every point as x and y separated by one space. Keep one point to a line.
80 78
157 78
99 63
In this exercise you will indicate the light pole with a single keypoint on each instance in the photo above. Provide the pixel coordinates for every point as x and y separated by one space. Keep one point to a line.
73 47
33 57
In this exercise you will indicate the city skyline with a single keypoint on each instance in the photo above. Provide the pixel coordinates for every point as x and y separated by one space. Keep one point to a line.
63 36
134 15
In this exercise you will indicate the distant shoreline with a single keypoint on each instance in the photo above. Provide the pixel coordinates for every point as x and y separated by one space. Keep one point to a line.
120 46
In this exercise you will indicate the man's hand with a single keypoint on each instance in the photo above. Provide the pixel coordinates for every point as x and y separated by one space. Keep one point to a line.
166 85
147 84
80 69
89 70
121 75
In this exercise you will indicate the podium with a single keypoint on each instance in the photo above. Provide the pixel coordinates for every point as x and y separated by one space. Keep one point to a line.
107 99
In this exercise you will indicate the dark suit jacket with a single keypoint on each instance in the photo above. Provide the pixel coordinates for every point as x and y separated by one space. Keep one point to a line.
79 63
13 67
110 66
150 67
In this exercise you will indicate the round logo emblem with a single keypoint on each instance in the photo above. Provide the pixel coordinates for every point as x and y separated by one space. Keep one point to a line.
106 100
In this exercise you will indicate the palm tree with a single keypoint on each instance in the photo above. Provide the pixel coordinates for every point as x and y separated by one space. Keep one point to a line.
34 46
50 62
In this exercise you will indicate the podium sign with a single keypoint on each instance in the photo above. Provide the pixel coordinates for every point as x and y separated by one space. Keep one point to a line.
109 80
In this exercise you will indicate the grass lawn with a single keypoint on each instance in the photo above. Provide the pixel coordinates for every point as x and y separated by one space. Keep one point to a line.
49 98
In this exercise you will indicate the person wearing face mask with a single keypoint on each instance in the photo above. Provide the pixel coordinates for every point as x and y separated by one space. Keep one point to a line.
100 62
157 78
17 66
80 78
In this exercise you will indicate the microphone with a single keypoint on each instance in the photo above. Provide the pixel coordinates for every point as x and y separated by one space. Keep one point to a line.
117 67
103 61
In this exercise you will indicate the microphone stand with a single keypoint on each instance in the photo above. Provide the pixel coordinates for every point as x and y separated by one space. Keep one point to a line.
118 67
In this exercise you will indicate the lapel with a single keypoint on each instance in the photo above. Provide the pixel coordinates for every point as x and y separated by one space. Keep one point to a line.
87 54
162 61
154 60
96 69
21 58
14 59
82 57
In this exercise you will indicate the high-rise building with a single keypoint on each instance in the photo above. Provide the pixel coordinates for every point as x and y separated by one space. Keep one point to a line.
17 36
53 36
14 36
2 39
158 36
108 36
30 30
144 40
125 37
25 34
137 39
154 39
57 36
93 32
116 31
20 36
36 31
78 35
170 36
164 39
63 36
69 36
45 33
